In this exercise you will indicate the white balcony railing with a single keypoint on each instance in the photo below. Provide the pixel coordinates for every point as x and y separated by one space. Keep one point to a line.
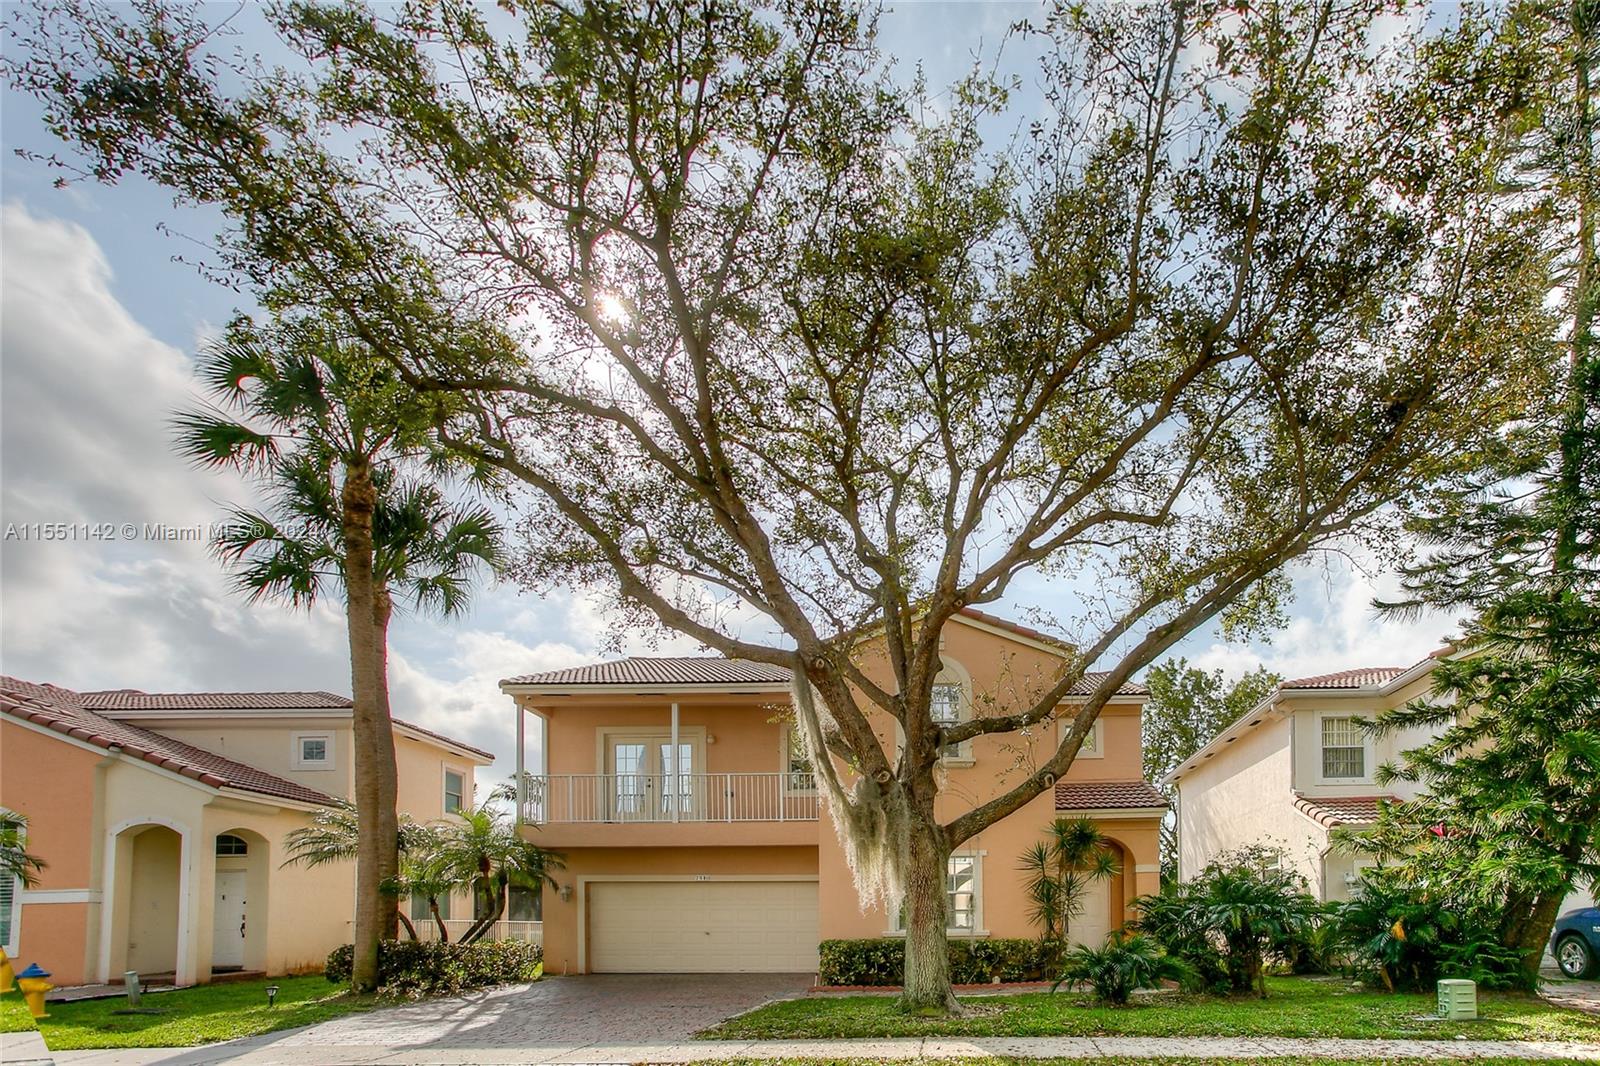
533 932
558 798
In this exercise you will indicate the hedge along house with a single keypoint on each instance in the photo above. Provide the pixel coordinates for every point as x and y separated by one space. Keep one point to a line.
161 819
695 839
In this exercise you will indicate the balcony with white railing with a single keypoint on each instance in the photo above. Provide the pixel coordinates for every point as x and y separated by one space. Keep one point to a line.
657 799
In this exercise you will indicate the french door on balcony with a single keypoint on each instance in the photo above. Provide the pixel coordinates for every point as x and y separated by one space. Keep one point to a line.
647 783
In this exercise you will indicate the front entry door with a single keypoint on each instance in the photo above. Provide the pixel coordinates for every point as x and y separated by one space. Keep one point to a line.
228 920
648 785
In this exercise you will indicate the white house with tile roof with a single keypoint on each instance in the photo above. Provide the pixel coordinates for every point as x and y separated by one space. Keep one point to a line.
161 819
1295 769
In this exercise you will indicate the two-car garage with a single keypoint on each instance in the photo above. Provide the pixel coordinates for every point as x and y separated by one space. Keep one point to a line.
702 926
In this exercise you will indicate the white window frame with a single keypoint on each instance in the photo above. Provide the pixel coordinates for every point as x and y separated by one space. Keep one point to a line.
444 788
790 739
12 937
979 930
1094 742
953 673
1366 750
298 752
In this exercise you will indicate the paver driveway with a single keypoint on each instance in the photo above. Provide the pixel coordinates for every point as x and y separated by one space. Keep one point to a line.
558 1012
601 1008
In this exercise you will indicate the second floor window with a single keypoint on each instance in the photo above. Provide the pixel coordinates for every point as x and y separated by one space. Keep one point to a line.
452 791
946 704
798 775
1344 749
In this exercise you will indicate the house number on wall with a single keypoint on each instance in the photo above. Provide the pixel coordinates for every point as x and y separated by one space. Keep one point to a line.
702 877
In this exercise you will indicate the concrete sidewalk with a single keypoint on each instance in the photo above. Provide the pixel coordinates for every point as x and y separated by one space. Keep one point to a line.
282 1048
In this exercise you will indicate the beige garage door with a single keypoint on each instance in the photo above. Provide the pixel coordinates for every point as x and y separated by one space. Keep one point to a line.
1093 922
702 926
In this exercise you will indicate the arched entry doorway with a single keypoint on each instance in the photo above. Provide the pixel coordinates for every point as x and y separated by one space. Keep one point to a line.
239 902
147 904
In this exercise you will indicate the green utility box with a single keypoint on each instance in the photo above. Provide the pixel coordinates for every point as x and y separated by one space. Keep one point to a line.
1458 1000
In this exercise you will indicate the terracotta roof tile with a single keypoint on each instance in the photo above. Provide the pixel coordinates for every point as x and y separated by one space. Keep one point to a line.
1342 810
130 699
1106 795
687 670
61 710
1363 677
489 755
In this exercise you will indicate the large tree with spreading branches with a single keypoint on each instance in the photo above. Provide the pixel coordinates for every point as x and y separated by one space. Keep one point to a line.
779 345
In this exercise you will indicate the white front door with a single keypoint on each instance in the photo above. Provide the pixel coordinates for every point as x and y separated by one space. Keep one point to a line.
228 920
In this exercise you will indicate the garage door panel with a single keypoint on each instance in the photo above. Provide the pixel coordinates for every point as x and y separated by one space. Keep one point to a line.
702 926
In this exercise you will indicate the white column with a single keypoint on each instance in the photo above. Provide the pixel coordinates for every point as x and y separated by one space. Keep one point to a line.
677 792
521 779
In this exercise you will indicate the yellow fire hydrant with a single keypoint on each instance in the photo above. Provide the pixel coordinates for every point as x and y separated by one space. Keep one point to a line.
7 977
34 985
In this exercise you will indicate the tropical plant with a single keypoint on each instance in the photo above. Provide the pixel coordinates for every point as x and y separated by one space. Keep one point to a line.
1508 819
16 864
752 328
1120 966
1409 940
334 835
1185 708
1227 920
483 850
1060 871
333 435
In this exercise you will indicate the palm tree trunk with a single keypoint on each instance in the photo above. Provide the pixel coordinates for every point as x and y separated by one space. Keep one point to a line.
481 926
438 920
411 930
366 610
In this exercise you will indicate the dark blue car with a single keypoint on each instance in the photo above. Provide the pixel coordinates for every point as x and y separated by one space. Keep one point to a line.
1576 942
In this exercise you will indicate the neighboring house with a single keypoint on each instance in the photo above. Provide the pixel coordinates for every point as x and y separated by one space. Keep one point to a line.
1296 768
161 818
693 833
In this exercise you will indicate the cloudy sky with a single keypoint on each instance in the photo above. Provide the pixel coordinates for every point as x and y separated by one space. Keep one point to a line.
100 324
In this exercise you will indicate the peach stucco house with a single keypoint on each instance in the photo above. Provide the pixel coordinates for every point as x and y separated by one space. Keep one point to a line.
1296 769
693 833
161 819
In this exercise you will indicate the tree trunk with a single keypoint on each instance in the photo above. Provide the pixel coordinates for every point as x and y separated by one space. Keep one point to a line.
927 977
438 920
366 616
411 930
500 888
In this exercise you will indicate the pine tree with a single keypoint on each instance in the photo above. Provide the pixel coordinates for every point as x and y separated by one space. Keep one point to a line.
1511 812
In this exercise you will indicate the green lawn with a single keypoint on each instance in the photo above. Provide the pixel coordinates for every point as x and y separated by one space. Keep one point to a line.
1296 1007
14 1016
200 1015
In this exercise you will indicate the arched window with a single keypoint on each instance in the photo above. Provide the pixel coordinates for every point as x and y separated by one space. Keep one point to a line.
952 703
228 844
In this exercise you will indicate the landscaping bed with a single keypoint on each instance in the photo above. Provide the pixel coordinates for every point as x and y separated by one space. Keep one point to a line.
1297 1007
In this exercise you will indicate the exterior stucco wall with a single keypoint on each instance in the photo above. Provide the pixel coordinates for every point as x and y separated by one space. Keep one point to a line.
1242 797
420 767
269 745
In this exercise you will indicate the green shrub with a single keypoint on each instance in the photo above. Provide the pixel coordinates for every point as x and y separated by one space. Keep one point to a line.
1119 966
412 969
881 961
1408 940
1242 910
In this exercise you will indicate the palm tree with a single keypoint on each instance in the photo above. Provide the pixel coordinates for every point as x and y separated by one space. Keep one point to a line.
334 835
486 852
340 442
1060 870
15 862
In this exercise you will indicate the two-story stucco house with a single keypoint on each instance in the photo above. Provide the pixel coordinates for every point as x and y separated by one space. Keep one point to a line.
161 819
1296 768
695 839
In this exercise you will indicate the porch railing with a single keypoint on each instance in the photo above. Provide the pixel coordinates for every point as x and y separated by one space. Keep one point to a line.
533 932
557 798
